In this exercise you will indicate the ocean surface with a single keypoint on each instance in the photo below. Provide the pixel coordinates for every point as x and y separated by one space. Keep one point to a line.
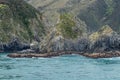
67 67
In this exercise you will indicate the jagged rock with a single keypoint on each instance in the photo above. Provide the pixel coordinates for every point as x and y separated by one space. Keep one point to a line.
34 46
15 45
82 45
107 43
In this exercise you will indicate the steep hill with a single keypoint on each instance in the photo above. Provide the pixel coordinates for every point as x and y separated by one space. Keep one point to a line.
95 13
79 25
20 20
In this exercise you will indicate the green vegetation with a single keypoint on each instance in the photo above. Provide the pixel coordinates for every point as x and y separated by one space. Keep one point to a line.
19 19
3 11
22 12
95 13
3 6
104 31
67 26
110 7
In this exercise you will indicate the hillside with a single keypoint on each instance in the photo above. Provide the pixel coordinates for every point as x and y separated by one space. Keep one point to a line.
75 24
19 20
60 25
95 13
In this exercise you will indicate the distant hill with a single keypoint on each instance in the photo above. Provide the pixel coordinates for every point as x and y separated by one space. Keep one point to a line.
95 13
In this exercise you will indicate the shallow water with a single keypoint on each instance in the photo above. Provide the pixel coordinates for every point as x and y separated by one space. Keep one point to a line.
67 67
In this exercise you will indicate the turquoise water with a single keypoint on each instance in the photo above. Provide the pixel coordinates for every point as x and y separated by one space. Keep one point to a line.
67 67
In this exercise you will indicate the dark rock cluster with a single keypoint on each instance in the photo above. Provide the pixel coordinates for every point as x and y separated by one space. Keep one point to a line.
103 44
107 43
81 45
14 46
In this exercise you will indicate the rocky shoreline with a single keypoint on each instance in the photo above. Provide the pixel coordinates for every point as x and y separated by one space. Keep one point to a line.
54 54
45 55
104 47
103 55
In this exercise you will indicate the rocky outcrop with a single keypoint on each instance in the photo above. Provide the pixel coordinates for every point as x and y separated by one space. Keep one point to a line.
14 46
104 39
107 43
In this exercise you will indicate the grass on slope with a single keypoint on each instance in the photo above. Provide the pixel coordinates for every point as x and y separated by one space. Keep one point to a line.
19 18
67 26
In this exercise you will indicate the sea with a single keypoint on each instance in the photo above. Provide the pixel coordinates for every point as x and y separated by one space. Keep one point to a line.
66 67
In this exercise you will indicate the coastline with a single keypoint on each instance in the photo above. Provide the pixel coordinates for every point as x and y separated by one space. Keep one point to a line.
54 54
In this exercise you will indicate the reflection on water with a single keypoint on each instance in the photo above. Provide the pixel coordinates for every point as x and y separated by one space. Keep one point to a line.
67 67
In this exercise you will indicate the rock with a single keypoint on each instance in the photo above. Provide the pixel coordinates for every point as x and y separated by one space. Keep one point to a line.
53 54
15 45
1 48
103 55
106 43
45 55
4 2
82 45
34 46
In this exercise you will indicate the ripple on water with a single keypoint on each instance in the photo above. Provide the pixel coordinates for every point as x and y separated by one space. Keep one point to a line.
9 77
66 67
